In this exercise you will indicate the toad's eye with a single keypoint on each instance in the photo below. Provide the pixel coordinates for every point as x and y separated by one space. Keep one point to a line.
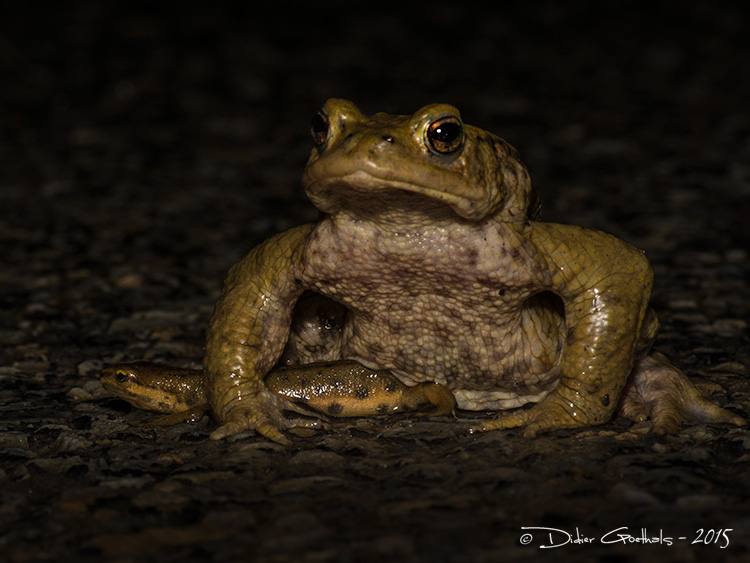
446 134
121 376
319 128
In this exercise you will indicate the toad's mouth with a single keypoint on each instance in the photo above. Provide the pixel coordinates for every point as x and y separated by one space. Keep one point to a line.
367 194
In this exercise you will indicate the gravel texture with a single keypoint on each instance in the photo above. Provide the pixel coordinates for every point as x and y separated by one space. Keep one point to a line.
144 150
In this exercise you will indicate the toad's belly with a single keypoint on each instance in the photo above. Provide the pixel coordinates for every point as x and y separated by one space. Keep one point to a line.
487 366
497 400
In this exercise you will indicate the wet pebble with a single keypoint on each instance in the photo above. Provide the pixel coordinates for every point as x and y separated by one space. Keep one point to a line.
632 494
10 440
70 442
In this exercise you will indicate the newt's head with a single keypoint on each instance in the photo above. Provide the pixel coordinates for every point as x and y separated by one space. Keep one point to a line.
155 388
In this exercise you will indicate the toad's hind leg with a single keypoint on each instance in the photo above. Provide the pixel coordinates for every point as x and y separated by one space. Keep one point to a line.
658 390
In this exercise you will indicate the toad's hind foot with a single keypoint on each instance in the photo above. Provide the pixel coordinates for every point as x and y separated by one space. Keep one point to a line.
660 391
264 412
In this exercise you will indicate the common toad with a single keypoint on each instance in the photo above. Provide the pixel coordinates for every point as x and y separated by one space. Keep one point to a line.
430 244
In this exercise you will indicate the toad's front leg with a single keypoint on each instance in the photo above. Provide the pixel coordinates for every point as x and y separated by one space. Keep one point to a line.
605 285
246 337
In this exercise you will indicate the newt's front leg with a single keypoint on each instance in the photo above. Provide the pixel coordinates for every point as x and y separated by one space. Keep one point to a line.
246 337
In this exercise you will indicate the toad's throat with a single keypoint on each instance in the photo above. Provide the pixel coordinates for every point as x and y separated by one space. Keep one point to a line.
366 192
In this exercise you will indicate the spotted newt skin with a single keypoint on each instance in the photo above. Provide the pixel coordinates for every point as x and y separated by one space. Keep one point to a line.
432 256
338 389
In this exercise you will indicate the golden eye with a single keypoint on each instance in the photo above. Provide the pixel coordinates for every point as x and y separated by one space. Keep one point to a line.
319 128
121 376
445 135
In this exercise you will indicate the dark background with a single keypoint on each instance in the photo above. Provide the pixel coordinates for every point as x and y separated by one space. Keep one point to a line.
144 149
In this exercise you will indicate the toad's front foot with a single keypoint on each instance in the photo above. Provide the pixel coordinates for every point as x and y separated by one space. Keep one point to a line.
264 413
552 413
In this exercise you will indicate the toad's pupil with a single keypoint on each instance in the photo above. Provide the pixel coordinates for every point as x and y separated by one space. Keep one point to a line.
446 132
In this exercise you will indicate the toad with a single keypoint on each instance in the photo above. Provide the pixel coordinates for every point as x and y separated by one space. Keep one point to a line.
430 251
